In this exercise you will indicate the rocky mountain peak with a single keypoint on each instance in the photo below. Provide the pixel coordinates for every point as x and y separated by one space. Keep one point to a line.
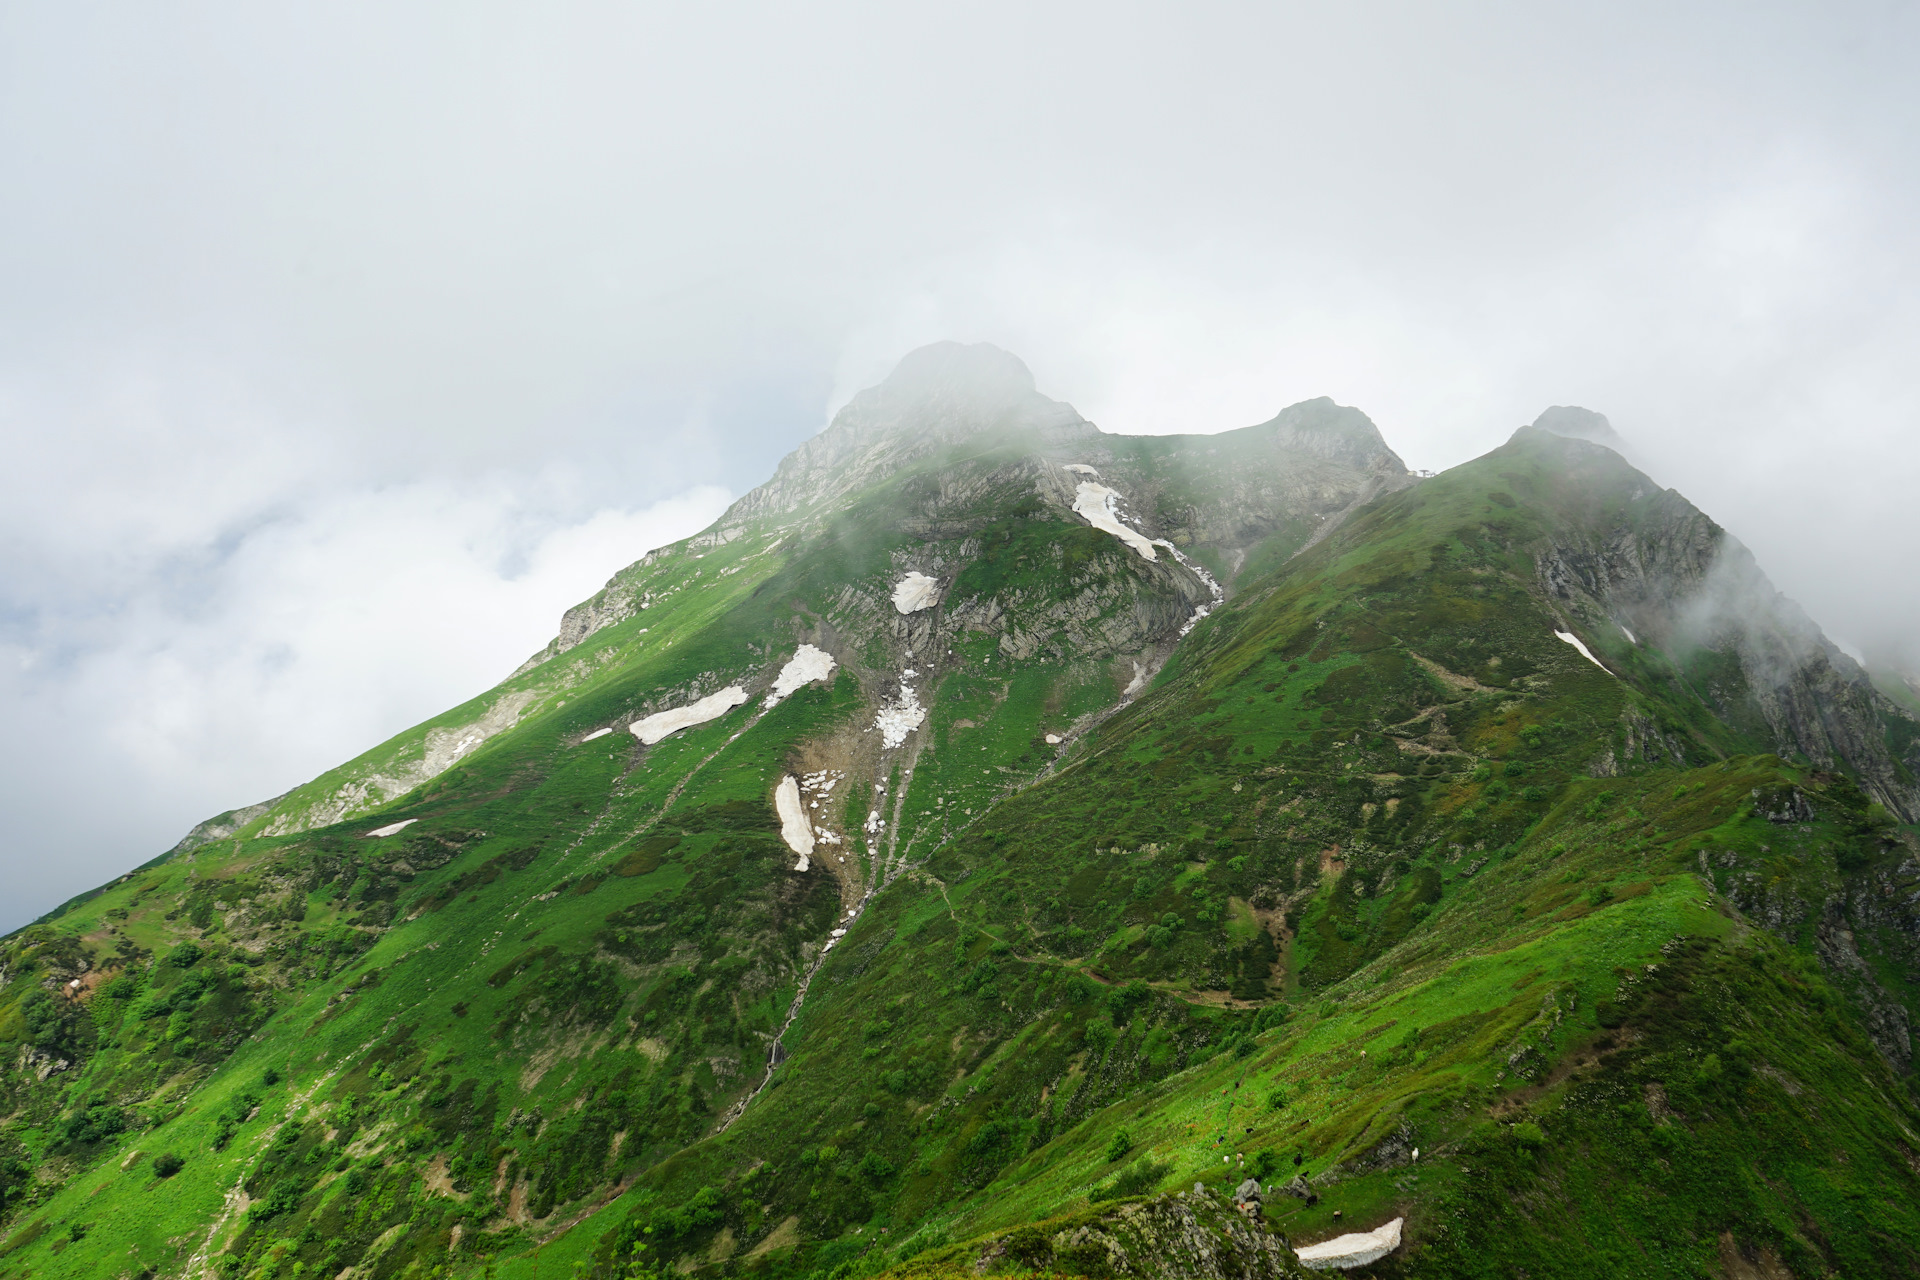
935 397
978 371
1576 423
1335 432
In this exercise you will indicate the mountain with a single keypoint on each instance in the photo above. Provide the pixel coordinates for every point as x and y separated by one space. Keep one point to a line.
995 840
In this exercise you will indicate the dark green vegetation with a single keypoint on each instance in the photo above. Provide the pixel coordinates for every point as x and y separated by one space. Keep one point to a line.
1376 865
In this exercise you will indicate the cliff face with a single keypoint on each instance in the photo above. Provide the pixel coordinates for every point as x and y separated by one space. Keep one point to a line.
1644 562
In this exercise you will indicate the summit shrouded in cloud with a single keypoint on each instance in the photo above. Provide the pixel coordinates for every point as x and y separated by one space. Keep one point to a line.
980 775
332 354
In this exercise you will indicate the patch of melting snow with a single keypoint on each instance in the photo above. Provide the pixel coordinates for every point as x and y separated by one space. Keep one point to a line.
898 719
915 592
1053 739
392 828
1097 505
1138 683
1080 467
597 733
1574 640
711 707
1200 573
1628 634
794 827
1355 1249
805 666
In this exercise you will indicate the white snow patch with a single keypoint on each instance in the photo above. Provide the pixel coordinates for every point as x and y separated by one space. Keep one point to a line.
597 733
1096 503
794 827
1628 634
1200 572
1138 683
915 592
392 828
1053 739
711 707
1355 1249
805 666
1574 640
897 720
1082 468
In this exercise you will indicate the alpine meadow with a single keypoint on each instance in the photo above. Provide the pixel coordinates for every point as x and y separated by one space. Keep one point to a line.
999 847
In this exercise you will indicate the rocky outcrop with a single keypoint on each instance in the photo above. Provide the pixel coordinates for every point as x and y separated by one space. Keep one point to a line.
1575 423
936 397
1650 564
333 797
1886 1019
624 596
223 825
1190 1235
1320 428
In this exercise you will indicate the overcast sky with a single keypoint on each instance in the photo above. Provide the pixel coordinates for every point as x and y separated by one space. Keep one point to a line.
342 346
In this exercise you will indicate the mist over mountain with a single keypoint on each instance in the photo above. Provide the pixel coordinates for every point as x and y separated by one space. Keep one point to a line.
997 845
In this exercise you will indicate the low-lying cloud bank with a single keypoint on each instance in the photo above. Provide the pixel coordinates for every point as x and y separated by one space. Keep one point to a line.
201 668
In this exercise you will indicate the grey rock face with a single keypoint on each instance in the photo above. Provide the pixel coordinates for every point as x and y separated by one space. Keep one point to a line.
938 396
1295 477
1335 432
1679 582
1191 1235
222 825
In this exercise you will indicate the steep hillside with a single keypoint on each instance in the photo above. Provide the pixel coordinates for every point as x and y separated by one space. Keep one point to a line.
992 827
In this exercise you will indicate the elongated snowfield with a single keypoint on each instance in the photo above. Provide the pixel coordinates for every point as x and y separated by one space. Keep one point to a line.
597 733
915 592
1574 640
392 828
805 666
795 829
1356 1249
711 707
1096 502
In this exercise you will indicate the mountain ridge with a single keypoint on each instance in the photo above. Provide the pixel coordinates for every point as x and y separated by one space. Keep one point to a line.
993 853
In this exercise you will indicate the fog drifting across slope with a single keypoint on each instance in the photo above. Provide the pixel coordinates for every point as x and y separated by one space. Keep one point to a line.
276 284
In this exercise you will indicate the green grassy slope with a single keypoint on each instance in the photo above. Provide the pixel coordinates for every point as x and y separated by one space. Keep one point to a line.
1377 864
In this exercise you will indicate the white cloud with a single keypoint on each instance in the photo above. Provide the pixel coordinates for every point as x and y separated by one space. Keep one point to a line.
305 638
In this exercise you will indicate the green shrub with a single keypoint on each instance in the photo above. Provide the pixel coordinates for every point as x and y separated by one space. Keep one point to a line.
1121 1144
166 1164
1138 1180
1123 1002
1529 1135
